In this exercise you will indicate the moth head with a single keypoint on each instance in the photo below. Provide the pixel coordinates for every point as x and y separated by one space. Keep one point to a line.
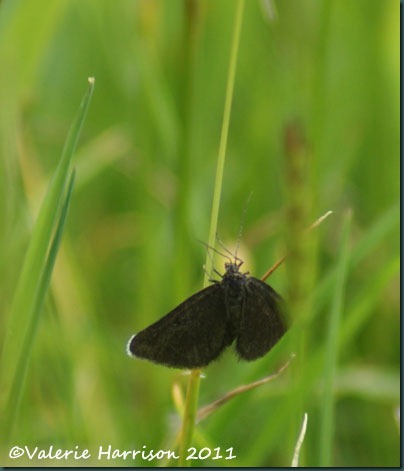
233 267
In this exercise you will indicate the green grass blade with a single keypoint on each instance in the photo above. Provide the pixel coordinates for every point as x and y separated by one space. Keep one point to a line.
331 354
17 387
35 258
191 404
374 237
223 137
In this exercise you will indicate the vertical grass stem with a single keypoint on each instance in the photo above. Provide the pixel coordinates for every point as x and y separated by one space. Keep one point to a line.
191 403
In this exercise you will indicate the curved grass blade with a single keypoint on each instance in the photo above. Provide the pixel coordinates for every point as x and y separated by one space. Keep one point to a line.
19 319
17 386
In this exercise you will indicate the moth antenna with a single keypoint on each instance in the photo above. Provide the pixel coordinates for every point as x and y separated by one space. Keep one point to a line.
217 273
215 250
210 275
206 272
242 221
233 255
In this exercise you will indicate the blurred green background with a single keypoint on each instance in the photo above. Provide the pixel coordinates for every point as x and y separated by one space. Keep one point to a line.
146 165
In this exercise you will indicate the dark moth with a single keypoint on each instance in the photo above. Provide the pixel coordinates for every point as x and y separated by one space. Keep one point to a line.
238 308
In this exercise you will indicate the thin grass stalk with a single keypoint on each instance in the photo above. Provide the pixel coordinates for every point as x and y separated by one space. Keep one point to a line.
279 262
17 386
224 134
191 403
299 443
213 406
331 353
